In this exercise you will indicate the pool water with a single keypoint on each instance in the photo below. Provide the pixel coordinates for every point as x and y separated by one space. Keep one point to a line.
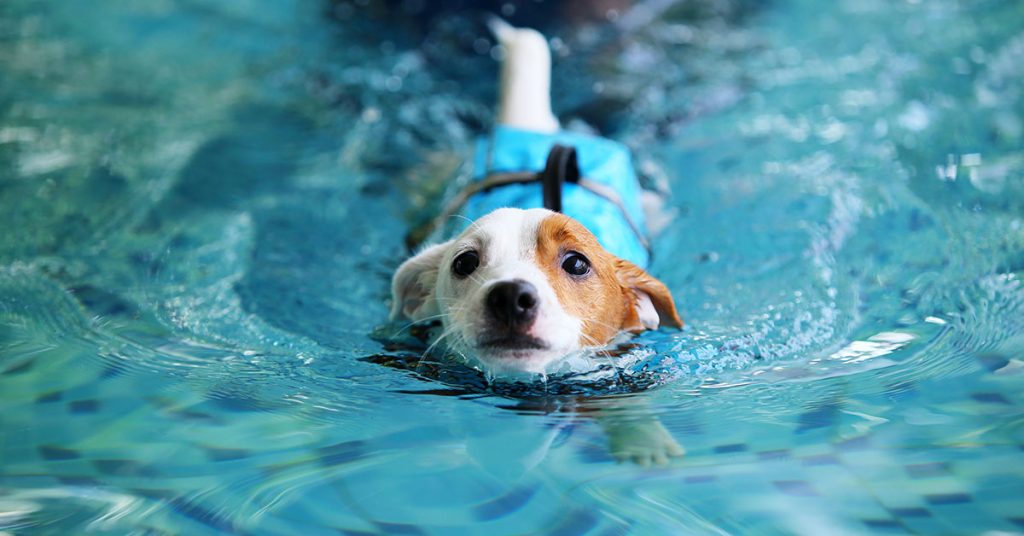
203 201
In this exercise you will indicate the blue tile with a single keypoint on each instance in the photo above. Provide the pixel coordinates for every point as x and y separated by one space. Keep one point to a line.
993 361
399 528
84 406
201 514
54 396
780 454
1019 521
19 368
734 447
948 498
910 511
50 452
224 455
700 479
927 470
590 453
577 522
796 487
990 398
78 481
112 370
123 468
883 524
191 415
818 417
504 505
341 453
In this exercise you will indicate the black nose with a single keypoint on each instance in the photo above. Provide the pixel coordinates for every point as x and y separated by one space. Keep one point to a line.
513 303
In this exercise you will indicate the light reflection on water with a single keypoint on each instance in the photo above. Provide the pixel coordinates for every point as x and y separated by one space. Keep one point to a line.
203 203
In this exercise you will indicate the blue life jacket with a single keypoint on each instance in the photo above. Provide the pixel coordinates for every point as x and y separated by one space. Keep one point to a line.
606 200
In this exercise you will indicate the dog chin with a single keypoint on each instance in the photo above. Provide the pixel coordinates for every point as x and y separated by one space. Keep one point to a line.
498 360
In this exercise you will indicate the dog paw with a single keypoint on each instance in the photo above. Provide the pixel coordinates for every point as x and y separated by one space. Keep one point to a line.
643 443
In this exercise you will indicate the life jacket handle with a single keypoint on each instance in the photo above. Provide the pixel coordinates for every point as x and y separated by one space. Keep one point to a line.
560 168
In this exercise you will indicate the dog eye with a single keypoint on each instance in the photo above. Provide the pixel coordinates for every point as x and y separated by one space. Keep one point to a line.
465 263
576 264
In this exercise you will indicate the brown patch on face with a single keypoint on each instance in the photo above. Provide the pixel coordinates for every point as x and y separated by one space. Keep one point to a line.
604 299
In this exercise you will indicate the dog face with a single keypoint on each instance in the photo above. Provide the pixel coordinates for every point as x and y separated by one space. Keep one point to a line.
519 289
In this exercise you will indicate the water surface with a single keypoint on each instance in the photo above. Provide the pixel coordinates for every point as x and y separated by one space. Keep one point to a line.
203 201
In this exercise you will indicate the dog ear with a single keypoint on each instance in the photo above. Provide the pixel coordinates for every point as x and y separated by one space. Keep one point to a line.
652 302
412 288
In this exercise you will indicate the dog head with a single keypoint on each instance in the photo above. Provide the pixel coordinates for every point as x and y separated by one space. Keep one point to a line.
519 289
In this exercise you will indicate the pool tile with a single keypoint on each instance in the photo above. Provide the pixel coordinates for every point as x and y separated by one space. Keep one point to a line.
796 487
186 414
84 406
223 455
821 416
948 498
201 514
700 479
927 470
112 370
779 454
504 505
576 522
19 368
54 396
886 525
78 481
123 468
590 453
730 448
992 361
341 453
53 453
990 398
399 528
910 511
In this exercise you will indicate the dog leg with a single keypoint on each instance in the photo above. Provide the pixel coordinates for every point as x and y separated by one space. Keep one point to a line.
634 433
524 96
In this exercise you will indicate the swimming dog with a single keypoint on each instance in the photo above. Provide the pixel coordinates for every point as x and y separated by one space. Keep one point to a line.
553 261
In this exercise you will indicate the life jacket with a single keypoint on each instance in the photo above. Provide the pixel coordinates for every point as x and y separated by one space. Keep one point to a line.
588 178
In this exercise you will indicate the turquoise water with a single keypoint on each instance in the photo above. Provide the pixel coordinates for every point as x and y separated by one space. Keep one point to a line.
203 201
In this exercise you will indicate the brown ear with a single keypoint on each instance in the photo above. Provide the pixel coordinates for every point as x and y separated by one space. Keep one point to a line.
647 292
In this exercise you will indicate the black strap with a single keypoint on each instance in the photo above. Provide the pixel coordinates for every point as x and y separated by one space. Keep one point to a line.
560 168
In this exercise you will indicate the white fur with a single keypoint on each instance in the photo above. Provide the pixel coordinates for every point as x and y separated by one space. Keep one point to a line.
524 99
506 242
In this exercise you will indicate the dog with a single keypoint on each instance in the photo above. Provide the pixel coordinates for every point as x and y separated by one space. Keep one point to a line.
552 263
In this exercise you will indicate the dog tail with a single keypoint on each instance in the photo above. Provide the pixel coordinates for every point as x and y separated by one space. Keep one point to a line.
524 97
